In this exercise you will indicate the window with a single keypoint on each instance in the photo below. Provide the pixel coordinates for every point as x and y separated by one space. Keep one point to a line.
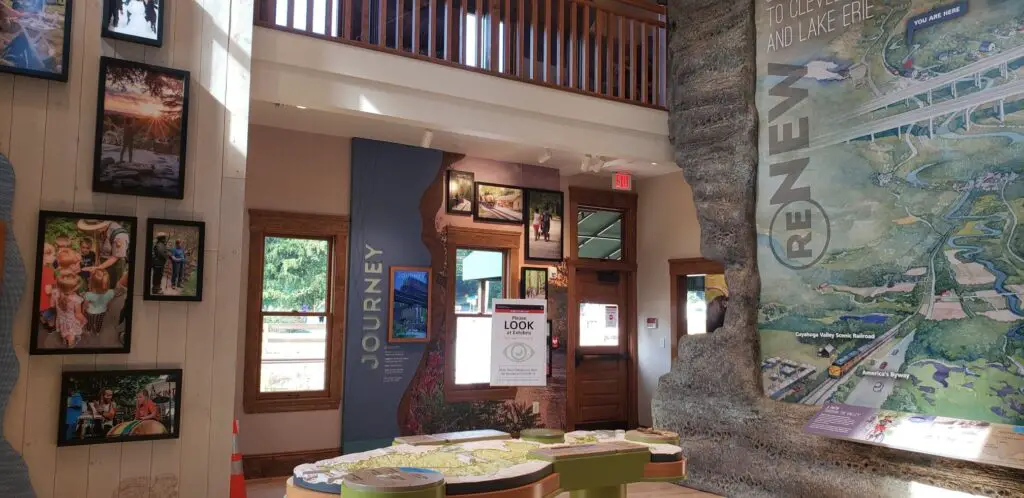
479 280
599 233
295 311
484 270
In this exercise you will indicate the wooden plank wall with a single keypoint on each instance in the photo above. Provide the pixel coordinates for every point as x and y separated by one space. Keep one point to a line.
47 130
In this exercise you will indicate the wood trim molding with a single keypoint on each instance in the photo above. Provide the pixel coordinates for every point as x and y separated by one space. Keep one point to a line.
336 229
478 238
266 465
678 268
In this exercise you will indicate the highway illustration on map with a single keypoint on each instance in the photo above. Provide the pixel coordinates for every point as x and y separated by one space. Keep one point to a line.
907 291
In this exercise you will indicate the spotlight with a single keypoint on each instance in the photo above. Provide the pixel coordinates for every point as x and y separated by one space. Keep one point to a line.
428 136
585 164
545 157
300 107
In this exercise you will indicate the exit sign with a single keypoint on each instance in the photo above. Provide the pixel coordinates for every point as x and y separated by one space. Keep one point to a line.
622 181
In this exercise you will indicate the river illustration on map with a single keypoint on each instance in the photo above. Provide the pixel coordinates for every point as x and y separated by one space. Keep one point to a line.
891 236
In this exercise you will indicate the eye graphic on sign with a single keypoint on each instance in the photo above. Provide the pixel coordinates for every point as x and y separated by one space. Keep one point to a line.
518 352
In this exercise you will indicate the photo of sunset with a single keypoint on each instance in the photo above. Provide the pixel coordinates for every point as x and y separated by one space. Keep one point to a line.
142 123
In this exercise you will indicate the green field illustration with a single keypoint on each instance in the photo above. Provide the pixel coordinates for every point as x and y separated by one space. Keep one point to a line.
896 278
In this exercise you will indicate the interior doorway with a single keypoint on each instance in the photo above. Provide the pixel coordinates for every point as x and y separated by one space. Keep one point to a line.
601 372
696 284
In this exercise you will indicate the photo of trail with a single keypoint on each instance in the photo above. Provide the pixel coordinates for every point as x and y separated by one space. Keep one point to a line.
891 227
32 35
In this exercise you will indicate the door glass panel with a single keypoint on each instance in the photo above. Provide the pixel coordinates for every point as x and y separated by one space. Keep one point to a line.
701 291
599 234
599 324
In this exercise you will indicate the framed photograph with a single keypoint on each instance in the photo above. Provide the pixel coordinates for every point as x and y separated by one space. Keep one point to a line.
35 38
137 21
544 223
497 203
83 284
533 283
459 193
174 260
117 406
408 318
141 126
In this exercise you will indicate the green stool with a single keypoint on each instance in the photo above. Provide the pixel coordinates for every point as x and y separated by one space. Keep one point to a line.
393 482
543 436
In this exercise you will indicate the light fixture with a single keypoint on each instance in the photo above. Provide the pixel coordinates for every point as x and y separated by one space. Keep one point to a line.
428 136
585 164
545 157
300 107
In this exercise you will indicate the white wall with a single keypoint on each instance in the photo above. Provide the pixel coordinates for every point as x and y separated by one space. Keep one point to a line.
304 173
298 70
667 229
47 131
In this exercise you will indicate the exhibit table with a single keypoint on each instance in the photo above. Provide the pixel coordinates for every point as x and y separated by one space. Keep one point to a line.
493 465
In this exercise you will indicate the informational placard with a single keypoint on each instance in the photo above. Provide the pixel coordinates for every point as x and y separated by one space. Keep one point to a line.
519 342
976 441
611 316
890 205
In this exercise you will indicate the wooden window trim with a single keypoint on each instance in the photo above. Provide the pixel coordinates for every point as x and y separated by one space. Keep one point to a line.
262 224
679 268
484 239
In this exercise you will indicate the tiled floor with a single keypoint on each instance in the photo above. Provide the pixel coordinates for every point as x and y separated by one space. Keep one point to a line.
274 488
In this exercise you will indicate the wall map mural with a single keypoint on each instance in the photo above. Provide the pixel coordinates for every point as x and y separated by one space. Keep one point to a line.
890 205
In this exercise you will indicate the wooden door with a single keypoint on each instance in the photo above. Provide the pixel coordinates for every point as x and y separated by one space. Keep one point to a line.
601 377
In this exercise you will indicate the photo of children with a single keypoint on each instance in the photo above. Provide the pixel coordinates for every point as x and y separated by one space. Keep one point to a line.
119 405
84 276
141 129
35 37
174 260
544 225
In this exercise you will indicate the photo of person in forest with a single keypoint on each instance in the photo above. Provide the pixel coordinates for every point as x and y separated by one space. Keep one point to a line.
174 260
141 130
83 283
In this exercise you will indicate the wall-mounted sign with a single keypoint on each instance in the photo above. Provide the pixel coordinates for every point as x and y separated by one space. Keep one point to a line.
622 181
519 344
652 322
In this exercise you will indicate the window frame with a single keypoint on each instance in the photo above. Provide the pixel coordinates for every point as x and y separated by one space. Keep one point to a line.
507 242
334 229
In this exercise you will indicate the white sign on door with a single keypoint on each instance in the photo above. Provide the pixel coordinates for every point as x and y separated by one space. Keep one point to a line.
519 342
611 316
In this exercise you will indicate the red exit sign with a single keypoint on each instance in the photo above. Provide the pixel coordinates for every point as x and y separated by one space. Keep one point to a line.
622 181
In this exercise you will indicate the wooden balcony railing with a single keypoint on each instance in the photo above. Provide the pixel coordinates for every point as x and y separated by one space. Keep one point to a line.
613 49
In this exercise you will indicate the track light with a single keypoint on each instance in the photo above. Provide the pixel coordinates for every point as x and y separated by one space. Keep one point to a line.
585 164
428 137
545 157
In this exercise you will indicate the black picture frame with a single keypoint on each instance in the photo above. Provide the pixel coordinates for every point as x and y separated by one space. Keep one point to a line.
198 250
108 377
550 348
453 176
478 205
90 221
120 182
522 281
65 57
532 251
106 32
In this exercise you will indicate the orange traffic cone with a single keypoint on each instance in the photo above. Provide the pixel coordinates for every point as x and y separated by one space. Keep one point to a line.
237 477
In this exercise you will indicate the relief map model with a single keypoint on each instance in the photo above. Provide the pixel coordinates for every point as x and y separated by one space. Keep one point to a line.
891 203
